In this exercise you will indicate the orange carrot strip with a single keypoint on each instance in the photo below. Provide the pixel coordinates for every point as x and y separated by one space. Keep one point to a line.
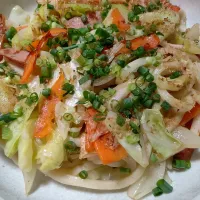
119 20
106 154
190 114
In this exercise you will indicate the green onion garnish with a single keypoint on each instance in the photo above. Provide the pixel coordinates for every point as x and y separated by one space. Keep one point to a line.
10 33
99 117
134 127
84 79
33 98
89 53
175 75
181 164
157 191
50 6
143 71
45 27
133 139
125 170
68 117
120 120
153 158
156 98
46 92
148 103
70 146
68 88
149 78
127 103
83 174
164 186
166 106
84 19
121 63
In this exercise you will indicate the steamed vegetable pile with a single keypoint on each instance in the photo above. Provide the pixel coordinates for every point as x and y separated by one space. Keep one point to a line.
105 92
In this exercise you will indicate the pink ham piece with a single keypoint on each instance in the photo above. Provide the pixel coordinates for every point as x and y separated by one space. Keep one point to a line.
2 32
94 17
17 57
75 22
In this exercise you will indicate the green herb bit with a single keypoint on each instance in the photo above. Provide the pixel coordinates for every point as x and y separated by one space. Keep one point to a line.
143 71
181 164
84 19
153 158
6 133
135 128
164 186
83 174
125 170
89 53
33 98
121 63
148 103
120 120
50 6
157 191
45 27
68 117
69 88
139 52
166 106
127 103
10 33
99 117
74 134
70 146
46 92
175 75
156 98
84 79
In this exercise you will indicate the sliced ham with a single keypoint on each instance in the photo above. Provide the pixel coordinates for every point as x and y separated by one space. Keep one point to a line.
75 22
94 17
2 32
17 57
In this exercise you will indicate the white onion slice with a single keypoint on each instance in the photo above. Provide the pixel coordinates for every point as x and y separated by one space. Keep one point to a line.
195 128
187 137
61 176
148 181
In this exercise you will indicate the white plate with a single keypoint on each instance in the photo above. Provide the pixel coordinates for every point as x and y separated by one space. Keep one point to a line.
186 184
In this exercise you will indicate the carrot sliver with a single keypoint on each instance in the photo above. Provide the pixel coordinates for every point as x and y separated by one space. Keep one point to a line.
56 31
57 87
119 20
29 66
19 28
190 114
106 154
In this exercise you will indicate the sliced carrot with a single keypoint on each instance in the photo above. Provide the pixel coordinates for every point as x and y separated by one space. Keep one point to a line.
148 42
57 31
31 60
190 114
44 124
29 67
167 4
119 20
106 154
57 87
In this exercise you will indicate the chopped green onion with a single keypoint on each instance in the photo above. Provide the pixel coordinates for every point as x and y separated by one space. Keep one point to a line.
74 132
115 104
84 79
157 191
127 103
70 146
45 27
33 98
103 57
50 6
83 174
68 16
22 86
175 75
156 98
143 71
149 78
120 120
133 139
121 63
46 92
148 103
98 25
166 106
138 9
6 133
68 88
181 164
134 127
99 117
96 104
18 112
68 117
99 48
89 53
10 33
150 88
137 91
20 97
128 44
139 52
164 186
125 170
